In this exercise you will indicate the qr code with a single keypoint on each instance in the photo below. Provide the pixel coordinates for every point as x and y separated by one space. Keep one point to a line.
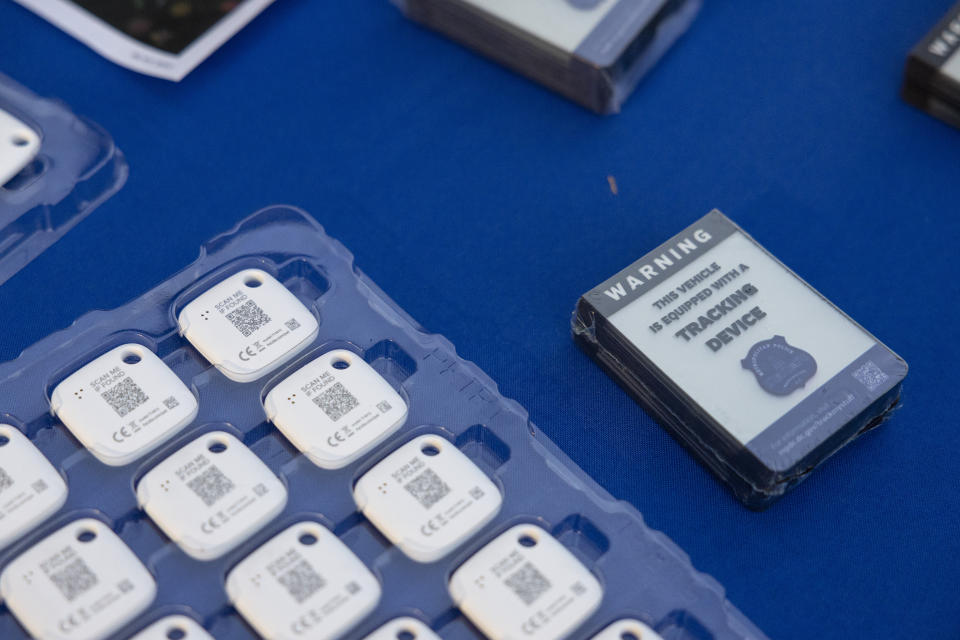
301 581
260 490
5 480
528 583
125 586
248 317
292 324
211 485
428 488
39 486
171 403
74 579
476 493
336 401
384 406
352 588
870 375
125 396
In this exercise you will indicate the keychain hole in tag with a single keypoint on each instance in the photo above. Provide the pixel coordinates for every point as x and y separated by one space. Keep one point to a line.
307 539
527 540
406 634
431 448
131 357
176 633
217 446
19 140
86 535
3 440
252 281
341 364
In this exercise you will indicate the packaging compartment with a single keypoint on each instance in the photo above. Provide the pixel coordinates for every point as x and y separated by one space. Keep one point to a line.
446 395
76 169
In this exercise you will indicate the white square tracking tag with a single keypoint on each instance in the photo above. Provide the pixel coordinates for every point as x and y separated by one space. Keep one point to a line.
248 325
303 583
19 144
403 629
525 584
124 404
31 490
335 409
627 630
211 495
79 583
175 627
427 498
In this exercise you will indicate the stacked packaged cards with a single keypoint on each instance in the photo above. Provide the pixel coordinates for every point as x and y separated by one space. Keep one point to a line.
591 51
739 359
932 78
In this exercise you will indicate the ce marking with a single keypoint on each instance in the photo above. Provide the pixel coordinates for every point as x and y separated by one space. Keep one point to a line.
123 433
213 523
339 436
251 351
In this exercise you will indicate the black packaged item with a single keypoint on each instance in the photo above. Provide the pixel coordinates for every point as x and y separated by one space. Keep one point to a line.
932 76
743 362
591 51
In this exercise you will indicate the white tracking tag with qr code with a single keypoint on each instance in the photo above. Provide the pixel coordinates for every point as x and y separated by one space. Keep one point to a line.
427 498
211 495
31 490
19 145
79 583
403 629
248 325
335 409
304 583
123 404
175 627
525 584
627 630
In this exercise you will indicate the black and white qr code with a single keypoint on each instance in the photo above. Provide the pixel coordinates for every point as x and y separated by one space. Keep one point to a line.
171 402
352 588
39 486
292 324
428 488
528 583
5 480
336 401
125 396
301 581
384 406
211 485
248 317
74 579
870 375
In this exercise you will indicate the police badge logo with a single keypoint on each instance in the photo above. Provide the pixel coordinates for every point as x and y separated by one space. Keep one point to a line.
780 368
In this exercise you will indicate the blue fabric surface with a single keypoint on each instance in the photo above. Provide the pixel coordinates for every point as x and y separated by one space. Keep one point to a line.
480 202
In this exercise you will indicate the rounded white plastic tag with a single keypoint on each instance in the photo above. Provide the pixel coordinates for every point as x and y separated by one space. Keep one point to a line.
427 498
31 490
80 583
248 325
525 584
304 583
176 627
211 495
627 630
19 145
335 409
403 629
123 404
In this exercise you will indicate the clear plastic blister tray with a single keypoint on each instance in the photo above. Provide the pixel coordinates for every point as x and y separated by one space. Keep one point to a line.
76 167
644 575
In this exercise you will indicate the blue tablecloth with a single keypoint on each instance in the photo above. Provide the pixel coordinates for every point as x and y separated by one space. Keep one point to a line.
481 203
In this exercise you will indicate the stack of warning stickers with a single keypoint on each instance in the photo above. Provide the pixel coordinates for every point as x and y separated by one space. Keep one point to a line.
592 51
932 79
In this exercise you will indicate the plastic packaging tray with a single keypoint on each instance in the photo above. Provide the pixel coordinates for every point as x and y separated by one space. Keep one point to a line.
643 573
77 168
